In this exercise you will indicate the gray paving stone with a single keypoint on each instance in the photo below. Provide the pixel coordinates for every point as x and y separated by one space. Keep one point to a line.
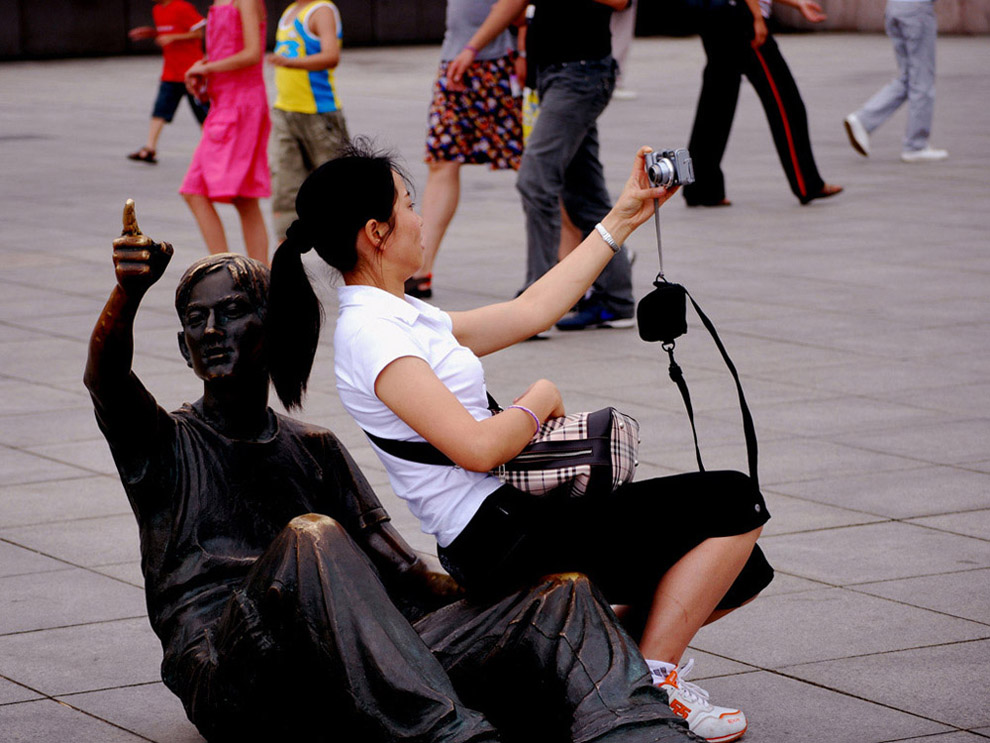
61 500
18 467
784 460
17 560
970 523
960 737
843 414
860 554
36 428
964 594
962 399
708 666
88 657
129 572
952 442
26 358
25 396
909 380
92 455
776 632
785 709
792 515
947 683
784 583
84 542
66 597
11 692
48 720
149 710
909 491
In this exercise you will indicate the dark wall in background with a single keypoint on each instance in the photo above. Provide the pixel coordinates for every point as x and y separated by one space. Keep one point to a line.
36 29
70 28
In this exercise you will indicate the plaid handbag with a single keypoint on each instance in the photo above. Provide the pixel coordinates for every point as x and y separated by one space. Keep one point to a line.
577 453
584 451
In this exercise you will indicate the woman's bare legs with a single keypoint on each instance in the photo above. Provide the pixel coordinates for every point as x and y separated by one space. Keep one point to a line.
254 229
440 197
688 593
208 220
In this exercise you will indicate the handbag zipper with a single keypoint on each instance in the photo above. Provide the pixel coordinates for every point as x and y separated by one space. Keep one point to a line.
536 457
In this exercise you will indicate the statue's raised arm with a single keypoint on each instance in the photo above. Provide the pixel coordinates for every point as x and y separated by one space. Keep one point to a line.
117 394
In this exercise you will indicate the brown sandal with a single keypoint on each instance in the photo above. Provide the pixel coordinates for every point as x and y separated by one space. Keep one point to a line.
144 155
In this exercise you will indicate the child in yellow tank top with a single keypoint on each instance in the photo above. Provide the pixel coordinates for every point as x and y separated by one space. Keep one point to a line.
308 126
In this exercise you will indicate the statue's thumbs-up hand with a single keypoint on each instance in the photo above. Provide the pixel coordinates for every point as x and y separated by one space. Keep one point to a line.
138 260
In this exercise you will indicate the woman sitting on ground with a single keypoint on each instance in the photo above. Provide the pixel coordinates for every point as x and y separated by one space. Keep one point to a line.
680 551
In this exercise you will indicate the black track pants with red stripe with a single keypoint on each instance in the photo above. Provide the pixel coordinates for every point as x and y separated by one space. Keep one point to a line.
726 36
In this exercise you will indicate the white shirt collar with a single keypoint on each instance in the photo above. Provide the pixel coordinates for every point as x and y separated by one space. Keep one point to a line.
381 303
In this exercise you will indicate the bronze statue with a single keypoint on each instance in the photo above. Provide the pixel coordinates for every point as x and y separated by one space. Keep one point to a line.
285 601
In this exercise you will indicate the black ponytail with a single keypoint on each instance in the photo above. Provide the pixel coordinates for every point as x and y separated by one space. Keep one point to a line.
334 204
294 318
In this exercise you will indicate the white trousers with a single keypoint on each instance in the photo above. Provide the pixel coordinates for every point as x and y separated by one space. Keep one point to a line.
912 29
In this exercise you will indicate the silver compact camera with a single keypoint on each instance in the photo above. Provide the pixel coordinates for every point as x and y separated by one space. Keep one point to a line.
670 168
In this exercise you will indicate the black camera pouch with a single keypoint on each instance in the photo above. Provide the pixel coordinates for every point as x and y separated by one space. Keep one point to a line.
662 314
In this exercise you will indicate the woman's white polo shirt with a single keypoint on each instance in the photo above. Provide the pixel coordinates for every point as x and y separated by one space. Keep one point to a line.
374 328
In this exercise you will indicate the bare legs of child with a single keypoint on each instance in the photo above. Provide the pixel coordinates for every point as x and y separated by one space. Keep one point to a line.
252 225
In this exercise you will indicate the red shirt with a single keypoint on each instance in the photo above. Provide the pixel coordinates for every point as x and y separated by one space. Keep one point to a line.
178 17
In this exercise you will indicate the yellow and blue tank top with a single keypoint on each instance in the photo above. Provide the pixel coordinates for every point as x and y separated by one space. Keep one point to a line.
299 90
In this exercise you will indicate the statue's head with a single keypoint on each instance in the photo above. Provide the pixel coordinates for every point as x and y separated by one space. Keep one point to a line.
222 301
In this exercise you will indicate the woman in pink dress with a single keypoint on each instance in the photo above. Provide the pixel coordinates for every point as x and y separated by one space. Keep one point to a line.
230 164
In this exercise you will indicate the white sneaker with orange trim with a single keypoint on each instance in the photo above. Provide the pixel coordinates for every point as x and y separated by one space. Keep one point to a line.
690 701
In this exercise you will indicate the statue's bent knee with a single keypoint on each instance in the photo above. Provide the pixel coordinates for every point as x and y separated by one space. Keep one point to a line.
315 526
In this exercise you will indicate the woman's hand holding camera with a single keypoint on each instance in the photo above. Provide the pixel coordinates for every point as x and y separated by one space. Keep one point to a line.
635 204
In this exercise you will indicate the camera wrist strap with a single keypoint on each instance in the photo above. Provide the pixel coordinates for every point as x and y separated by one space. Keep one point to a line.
678 378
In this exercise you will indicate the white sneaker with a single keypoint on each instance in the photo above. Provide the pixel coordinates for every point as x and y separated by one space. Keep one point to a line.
859 138
690 701
925 155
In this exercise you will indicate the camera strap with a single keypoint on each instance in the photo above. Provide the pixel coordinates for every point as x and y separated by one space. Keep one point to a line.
678 378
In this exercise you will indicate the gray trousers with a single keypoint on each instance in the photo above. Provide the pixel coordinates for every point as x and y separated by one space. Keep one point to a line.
561 164
312 648
912 29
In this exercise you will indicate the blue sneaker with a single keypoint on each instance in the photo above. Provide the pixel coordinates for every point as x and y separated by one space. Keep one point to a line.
594 315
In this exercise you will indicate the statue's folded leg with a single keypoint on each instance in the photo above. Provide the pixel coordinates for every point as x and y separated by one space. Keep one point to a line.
313 646
552 660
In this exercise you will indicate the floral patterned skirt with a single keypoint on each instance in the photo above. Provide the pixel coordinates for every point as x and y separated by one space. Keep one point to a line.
482 124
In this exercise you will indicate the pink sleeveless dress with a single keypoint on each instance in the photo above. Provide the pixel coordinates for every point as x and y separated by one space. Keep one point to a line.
232 157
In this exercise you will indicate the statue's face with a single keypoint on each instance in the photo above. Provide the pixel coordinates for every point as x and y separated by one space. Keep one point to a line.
222 329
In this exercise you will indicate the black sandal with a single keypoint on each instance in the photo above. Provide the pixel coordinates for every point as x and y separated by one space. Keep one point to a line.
144 155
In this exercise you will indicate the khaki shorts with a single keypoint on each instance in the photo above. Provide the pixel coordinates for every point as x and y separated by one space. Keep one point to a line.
300 143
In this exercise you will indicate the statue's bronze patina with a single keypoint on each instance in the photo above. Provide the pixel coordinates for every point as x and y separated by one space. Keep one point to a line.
285 601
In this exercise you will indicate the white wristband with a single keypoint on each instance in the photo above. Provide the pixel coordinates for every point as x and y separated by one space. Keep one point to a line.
607 237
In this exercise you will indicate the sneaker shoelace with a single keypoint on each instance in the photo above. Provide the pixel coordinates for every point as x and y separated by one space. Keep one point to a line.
693 692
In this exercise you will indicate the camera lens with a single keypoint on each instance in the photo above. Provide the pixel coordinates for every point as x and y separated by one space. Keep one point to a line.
661 173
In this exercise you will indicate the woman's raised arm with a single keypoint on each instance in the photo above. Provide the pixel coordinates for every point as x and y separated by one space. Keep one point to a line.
496 326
